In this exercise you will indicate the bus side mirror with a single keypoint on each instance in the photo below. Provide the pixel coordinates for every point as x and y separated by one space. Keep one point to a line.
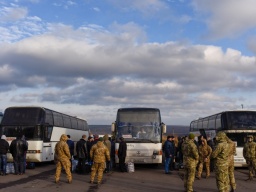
113 127
163 128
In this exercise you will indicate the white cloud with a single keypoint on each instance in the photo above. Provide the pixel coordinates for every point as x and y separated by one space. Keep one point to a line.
227 18
12 14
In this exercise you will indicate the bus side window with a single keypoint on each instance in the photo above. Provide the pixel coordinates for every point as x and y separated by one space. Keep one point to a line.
47 133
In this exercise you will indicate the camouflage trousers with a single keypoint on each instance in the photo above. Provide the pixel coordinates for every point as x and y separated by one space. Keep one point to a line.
222 178
201 166
189 178
232 176
66 165
252 167
97 168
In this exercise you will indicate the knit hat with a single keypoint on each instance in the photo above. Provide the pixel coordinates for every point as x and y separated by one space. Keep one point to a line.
191 136
3 137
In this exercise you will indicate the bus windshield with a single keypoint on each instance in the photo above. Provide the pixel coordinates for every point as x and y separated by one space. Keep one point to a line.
240 138
141 126
30 132
241 120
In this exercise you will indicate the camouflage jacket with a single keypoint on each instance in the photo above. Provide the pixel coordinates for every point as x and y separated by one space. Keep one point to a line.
249 151
62 150
99 153
232 152
205 151
221 153
190 153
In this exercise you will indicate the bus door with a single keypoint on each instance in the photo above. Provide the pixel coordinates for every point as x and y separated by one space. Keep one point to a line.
48 148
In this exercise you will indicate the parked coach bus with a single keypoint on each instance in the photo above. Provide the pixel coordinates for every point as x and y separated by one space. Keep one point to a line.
142 130
42 128
1 117
237 124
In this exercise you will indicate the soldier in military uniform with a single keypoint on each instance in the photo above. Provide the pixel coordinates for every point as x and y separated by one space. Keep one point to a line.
98 153
220 156
62 158
190 160
232 152
205 152
249 153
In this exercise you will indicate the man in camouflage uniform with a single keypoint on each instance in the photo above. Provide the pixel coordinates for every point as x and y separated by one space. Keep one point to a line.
205 152
99 153
190 160
249 153
232 152
62 158
221 156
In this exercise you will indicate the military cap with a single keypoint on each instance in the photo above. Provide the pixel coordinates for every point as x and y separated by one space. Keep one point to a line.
100 139
191 136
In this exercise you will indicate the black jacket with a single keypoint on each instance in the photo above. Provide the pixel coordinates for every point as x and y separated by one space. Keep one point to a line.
18 148
4 146
122 149
81 149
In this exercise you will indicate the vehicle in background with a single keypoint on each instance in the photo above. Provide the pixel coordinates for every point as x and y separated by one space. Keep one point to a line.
237 124
142 130
1 117
42 128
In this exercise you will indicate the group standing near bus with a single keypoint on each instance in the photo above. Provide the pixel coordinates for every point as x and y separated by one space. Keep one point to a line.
100 152
222 154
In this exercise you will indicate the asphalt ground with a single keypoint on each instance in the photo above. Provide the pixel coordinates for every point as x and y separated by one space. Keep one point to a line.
146 178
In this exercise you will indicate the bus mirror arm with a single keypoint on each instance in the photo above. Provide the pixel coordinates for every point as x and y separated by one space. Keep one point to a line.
163 127
113 125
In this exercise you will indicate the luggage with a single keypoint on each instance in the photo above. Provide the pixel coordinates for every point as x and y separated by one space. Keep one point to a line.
86 169
88 166
130 167
10 168
30 165
74 165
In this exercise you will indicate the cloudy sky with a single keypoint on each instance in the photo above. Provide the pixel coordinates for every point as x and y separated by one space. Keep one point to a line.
87 58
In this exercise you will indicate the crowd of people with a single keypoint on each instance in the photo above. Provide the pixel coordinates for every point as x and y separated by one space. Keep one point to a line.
196 155
18 148
95 155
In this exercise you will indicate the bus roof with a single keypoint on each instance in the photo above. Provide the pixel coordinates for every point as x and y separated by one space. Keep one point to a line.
138 109
236 110
43 108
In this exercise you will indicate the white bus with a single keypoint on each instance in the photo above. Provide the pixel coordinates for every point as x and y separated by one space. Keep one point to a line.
142 130
42 128
237 124
1 117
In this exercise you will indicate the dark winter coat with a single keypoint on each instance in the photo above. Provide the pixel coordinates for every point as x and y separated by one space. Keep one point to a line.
4 146
18 148
122 149
81 149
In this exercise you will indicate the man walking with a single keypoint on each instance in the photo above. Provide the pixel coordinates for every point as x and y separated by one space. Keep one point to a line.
63 158
4 147
99 154
249 153
221 156
190 160
82 154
